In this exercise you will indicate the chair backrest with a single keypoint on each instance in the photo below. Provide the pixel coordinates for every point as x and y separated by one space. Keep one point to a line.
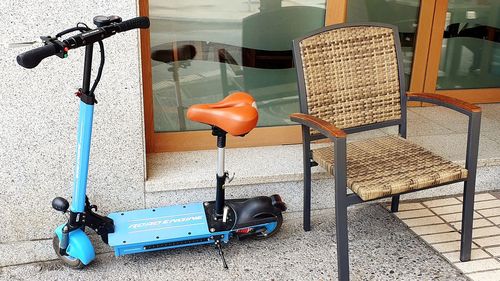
351 75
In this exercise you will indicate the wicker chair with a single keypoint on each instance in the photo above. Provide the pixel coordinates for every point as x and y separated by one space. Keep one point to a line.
351 80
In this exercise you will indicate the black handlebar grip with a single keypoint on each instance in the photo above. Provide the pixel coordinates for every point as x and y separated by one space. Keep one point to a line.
139 22
32 58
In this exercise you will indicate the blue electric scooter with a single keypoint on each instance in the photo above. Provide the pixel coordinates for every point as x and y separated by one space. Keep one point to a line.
129 232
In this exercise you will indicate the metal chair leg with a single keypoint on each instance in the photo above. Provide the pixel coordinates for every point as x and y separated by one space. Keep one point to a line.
342 237
467 220
340 160
470 185
307 197
307 177
395 203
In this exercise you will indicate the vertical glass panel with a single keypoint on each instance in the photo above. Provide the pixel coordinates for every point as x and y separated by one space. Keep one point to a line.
470 54
403 14
202 50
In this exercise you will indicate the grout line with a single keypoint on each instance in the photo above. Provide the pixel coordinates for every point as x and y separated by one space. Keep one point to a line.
23 241
46 261
27 263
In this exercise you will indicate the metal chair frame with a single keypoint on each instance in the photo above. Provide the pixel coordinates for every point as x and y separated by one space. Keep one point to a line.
338 137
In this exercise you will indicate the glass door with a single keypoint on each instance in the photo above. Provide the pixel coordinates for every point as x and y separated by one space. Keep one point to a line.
464 53
470 52
201 51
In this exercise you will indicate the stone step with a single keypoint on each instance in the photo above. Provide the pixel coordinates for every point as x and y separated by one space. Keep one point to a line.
291 191
190 176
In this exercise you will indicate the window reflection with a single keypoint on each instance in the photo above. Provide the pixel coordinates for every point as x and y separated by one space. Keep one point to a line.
470 56
203 50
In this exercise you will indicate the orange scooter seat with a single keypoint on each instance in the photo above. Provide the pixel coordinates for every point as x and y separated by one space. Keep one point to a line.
235 114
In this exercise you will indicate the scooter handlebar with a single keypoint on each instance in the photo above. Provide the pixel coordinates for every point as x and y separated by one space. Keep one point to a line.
139 22
32 58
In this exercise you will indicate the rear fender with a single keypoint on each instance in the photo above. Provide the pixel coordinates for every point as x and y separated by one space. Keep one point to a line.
255 211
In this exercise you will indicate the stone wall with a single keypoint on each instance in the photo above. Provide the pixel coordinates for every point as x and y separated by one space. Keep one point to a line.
38 118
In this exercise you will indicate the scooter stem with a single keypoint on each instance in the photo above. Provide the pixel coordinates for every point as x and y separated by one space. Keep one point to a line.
84 134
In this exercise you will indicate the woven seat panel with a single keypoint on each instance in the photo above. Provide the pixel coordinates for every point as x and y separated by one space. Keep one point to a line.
351 76
390 165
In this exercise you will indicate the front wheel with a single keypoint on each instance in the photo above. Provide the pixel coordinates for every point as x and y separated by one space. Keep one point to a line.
69 261
272 231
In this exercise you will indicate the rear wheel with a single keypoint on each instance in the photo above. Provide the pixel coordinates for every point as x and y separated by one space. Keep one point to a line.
269 232
67 260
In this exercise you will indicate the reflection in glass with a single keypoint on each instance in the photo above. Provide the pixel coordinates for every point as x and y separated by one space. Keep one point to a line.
203 50
470 54
401 13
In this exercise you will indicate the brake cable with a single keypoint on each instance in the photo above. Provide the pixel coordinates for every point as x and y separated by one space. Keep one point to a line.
82 27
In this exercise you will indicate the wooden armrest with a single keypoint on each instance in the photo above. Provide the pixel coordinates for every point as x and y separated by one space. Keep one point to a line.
320 125
453 103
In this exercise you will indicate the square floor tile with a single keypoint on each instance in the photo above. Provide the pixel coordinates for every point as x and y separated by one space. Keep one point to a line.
478 265
490 212
485 231
414 214
449 246
495 220
476 254
488 241
457 217
432 229
441 237
477 223
410 206
487 204
441 202
423 221
493 275
447 209
483 196
480 197
495 251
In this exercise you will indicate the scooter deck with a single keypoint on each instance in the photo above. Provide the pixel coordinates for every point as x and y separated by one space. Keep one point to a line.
160 228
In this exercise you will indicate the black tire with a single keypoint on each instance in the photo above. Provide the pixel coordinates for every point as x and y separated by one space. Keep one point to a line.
67 260
279 220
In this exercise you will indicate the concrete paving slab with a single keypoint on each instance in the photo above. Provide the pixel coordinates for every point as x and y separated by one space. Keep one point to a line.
186 170
381 249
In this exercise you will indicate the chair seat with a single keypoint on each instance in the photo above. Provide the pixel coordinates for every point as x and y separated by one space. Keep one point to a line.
390 165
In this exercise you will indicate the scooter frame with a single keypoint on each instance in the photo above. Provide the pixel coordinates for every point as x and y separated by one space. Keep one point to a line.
71 242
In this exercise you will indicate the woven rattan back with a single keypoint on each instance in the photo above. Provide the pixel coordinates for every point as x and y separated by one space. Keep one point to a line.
349 75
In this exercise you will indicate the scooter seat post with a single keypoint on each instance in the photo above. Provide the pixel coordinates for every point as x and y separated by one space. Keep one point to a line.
221 174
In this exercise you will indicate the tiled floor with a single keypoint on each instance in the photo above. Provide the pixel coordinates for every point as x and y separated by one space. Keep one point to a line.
438 223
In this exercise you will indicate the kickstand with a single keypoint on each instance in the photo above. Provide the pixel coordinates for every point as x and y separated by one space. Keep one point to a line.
218 246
